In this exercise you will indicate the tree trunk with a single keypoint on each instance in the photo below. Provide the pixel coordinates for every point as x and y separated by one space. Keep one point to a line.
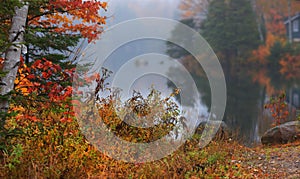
259 25
12 56
290 106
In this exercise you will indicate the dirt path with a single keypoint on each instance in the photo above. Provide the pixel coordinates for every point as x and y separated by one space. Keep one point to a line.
275 161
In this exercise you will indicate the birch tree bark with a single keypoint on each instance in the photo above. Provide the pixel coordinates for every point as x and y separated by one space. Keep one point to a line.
12 55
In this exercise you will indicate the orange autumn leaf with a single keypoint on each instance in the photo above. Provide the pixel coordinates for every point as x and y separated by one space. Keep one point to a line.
290 66
35 80
76 16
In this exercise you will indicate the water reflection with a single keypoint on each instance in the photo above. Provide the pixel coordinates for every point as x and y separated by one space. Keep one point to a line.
251 43
245 111
246 95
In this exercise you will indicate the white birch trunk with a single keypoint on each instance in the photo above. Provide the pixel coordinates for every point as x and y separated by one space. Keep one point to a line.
12 55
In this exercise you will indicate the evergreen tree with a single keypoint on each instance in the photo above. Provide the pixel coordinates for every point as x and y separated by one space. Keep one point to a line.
231 29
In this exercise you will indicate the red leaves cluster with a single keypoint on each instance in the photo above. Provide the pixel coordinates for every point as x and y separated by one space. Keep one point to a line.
46 89
278 108
42 87
1 63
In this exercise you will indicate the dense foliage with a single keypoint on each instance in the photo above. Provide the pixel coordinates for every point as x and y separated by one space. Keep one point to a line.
40 137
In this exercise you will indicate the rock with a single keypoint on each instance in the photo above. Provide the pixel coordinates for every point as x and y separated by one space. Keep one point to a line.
287 132
222 133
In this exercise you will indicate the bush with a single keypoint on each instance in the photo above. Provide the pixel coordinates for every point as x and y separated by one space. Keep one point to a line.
278 108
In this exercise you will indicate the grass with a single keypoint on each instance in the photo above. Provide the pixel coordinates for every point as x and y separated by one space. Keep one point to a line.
217 160
48 152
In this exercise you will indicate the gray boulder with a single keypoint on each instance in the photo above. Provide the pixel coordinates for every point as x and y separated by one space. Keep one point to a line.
223 132
284 133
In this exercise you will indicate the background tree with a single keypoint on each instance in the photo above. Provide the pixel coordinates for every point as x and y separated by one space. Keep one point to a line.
276 55
231 30
196 10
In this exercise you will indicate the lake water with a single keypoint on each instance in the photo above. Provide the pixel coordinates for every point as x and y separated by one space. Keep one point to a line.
246 95
245 111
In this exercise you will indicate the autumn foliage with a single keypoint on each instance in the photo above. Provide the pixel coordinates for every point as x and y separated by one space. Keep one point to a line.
40 130
290 66
44 85
43 139
77 16
278 108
